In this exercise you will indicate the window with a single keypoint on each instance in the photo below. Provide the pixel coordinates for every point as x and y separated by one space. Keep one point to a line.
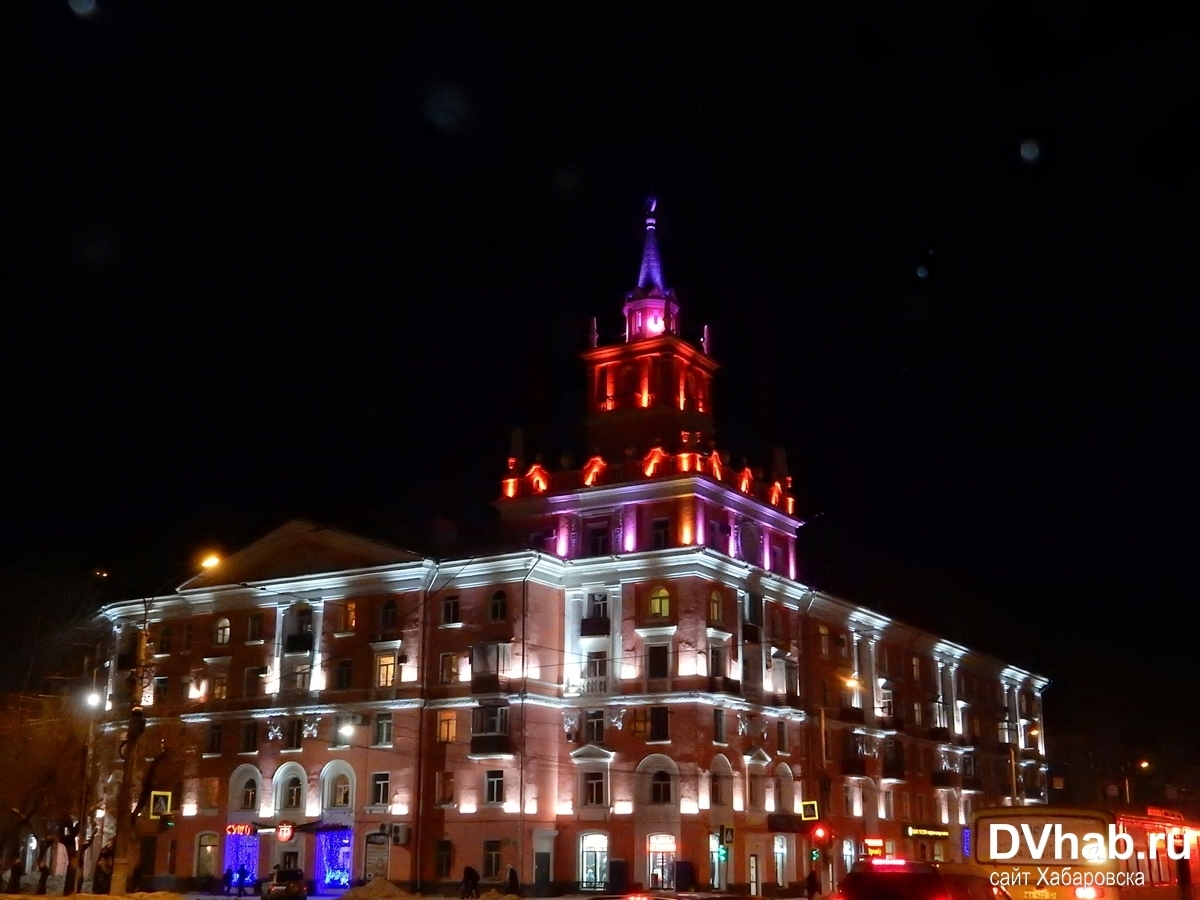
596 665
343 678
214 738
658 661
852 798
660 787
221 636
445 788
492 658
597 607
442 855
491 859
916 713
658 724
716 661
593 726
341 724
299 677
187 637
916 669
781 735
449 668
660 604
380 788
498 609
714 606
220 686
718 726
887 806
716 789
885 702
255 684
387 614
293 733
254 629
447 725
597 540
968 766
714 534
304 620
823 632
754 610
450 611
383 729
490 720
494 786
162 689
660 534
250 794
593 789
339 791
385 670
347 617
164 641
249 738
293 793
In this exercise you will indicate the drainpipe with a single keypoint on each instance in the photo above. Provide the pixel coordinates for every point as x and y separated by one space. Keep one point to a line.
420 804
524 694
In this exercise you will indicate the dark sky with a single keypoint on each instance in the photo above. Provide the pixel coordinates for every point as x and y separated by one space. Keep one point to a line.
266 260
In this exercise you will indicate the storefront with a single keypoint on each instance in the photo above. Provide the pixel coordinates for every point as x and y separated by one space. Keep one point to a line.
926 842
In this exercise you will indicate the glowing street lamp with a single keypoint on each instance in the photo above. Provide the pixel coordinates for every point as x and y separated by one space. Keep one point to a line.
93 699
211 560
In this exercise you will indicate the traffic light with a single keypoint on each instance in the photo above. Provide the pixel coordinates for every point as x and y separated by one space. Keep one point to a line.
816 855
819 833
722 853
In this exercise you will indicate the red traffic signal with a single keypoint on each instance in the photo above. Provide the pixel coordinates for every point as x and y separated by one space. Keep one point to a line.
819 833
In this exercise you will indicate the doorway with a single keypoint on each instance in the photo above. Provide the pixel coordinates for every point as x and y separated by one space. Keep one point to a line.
755 886
661 862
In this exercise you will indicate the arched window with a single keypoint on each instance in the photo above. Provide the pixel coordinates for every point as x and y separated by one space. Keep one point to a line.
293 795
222 633
250 794
660 604
164 641
387 618
660 787
339 791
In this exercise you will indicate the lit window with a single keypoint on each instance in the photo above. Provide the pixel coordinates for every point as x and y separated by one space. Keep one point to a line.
498 609
220 685
447 725
450 663
916 669
339 723
221 635
385 670
823 631
714 606
347 616
660 604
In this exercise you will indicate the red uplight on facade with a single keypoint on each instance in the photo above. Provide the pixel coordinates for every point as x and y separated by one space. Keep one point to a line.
744 480
509 487
776 494
592 470
538 479
654 460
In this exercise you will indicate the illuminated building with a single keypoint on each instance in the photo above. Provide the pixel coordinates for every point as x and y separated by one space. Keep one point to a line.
649 683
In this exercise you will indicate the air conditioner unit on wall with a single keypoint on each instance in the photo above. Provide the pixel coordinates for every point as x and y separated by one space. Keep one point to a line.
399 833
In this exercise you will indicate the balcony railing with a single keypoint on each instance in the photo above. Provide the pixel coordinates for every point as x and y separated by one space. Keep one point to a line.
720 684
942 778
595 626
488 744
891 723
893 769
1030 753
972 783
298 643
939 733
853 714
594 685
854 765
486 683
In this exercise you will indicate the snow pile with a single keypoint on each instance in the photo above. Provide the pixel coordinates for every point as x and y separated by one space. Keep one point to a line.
376 889
496 895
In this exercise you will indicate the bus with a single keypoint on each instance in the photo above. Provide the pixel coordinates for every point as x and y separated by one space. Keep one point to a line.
1080 853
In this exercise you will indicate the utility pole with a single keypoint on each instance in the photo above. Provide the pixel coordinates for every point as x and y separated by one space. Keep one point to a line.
124 836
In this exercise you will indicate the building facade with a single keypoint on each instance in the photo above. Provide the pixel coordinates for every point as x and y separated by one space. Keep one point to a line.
648 694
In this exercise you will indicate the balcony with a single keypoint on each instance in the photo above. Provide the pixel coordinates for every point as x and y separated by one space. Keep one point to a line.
595 685
751 634
854 765
720 684
942 778
792 700
486 683
595 626
298 643
972 784
852 714
893 769
1030 753
891 723
490 744
940 733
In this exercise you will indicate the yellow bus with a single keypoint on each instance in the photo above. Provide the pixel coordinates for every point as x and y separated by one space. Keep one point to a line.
1078 853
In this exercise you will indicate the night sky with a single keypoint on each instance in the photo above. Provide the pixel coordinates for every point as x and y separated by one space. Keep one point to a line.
269 260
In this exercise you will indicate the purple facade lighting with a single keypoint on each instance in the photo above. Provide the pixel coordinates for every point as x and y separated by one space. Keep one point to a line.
334 857
650 277
242 850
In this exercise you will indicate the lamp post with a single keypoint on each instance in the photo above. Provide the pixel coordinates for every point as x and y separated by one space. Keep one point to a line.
74 880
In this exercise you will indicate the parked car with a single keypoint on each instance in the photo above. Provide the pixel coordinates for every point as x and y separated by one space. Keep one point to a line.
286 883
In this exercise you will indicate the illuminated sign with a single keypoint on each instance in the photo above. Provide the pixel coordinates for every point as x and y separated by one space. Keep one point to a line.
809 811
661 843
285 830
917 831
966 842
240 828
160 804
874 846
1164 813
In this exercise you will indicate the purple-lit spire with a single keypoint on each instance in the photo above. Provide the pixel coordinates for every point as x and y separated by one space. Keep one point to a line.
650 278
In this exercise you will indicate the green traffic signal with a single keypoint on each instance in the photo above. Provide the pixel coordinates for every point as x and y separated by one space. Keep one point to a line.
722 854
816 854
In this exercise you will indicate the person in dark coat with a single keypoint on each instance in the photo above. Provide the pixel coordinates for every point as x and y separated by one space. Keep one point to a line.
227 880
513 882
242 875
812 884
470 885
15 873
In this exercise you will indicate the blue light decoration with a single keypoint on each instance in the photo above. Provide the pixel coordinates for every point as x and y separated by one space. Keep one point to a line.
966 844
242 850
334 855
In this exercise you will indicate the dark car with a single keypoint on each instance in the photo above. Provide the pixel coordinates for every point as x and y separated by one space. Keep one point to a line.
970 883
892 879
286 883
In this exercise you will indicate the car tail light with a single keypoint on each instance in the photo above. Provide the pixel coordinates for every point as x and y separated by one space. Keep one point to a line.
881 861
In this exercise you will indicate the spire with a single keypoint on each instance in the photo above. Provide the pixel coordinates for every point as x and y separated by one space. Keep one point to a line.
650 278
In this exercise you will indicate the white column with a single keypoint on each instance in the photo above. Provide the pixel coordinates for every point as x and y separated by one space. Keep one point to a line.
316 677
953 698
872 682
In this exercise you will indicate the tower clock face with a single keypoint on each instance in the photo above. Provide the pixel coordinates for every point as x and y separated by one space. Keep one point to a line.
749 541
